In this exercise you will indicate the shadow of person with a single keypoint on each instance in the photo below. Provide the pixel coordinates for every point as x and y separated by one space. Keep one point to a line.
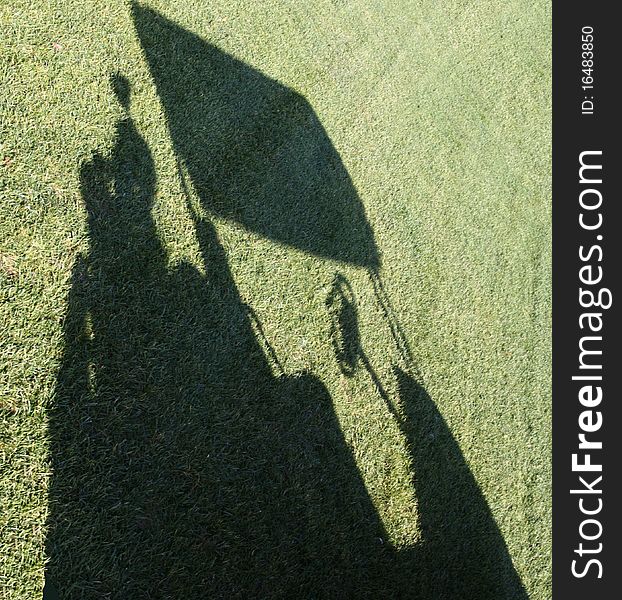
462 554
182 466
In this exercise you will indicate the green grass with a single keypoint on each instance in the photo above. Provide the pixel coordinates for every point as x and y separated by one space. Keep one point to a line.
281 328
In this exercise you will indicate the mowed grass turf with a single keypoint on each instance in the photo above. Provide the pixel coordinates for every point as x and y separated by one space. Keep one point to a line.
275 299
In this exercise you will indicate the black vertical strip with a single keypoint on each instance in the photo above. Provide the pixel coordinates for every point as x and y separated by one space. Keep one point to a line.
586 523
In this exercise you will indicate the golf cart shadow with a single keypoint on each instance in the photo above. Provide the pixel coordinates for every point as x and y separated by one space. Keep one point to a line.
185 463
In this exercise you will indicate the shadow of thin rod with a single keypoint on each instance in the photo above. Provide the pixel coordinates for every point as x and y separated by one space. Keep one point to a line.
397 334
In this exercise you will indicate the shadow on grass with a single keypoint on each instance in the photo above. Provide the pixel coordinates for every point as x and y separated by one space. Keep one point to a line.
186 464
462 553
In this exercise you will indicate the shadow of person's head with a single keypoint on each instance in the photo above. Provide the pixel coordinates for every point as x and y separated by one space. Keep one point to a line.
344 330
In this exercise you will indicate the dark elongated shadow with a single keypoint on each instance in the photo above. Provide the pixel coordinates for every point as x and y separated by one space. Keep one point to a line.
462 554
186 464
